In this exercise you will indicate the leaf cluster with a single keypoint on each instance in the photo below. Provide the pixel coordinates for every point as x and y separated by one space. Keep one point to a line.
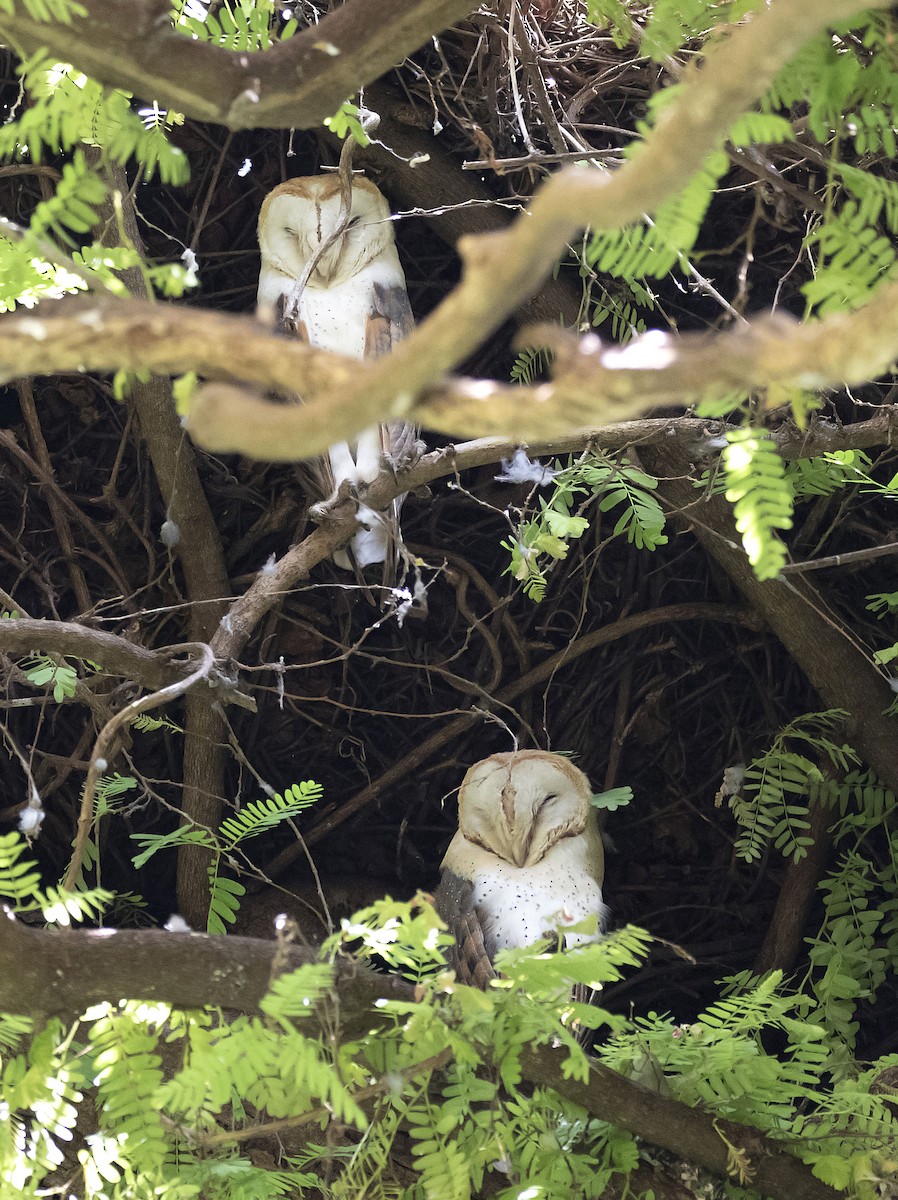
545 539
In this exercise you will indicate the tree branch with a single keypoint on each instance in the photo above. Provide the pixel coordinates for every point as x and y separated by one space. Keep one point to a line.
296 83
152 669
595 384
71 970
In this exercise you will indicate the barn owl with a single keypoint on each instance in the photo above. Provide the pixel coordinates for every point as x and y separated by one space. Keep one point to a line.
527 858
352 301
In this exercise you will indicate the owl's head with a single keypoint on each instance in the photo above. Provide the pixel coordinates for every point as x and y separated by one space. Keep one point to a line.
301 215
518 805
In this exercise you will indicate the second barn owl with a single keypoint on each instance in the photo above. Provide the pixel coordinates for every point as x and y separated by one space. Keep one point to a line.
527 858
352 301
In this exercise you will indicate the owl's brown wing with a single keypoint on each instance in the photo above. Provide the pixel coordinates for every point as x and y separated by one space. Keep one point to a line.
454 899
389 321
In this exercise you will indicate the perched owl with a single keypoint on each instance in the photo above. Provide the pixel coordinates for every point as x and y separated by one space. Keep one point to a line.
352 301
526 859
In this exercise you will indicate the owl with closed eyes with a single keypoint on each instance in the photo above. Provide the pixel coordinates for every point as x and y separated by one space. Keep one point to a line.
334 266
527 859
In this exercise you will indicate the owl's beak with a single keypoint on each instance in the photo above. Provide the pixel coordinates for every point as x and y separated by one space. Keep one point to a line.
520 851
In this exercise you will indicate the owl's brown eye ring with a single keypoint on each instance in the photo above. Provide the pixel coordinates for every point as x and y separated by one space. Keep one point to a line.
292 232
551 796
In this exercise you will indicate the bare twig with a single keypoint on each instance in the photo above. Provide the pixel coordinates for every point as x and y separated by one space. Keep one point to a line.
98 759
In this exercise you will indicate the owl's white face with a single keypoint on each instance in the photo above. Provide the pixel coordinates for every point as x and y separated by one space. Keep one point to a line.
519 805
300 216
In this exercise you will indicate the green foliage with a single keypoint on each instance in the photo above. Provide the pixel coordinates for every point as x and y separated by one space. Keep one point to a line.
828 473
770 798
613 15
852 259
447 1068
347 122
675 23
530 362
47 10
761 498
236 24
257 817
653 248
20 888
43 671
547 535
612 800
621 307
883 603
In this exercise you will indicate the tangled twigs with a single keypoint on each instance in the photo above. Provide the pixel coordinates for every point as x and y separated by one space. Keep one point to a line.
331 819
98 759
149 668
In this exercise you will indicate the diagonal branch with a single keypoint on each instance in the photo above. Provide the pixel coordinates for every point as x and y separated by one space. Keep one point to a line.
297 83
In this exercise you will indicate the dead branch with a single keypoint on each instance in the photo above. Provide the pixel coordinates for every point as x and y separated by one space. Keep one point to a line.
295 83
69 971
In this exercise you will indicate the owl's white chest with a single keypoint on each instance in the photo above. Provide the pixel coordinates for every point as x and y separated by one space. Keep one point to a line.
336 315
519 905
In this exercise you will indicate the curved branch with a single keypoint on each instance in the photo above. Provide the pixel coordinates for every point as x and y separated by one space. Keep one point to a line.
150 668
595 384
71 970
103 744
295 83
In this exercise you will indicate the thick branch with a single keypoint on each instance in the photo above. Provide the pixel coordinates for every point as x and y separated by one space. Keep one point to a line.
296 83
596 384
689 1132
68 971
89 334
